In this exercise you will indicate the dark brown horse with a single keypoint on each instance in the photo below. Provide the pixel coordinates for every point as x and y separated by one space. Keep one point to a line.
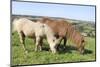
64 30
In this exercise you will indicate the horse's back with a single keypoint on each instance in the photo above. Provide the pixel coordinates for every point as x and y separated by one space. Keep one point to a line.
26 26
58 26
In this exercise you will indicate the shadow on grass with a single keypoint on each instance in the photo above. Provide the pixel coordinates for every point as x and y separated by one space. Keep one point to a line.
88 51
64 49
46 49
68 49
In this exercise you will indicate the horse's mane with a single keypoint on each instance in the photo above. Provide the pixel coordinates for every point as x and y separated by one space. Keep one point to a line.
74 35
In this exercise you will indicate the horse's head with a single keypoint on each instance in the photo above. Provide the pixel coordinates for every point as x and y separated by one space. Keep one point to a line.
82 46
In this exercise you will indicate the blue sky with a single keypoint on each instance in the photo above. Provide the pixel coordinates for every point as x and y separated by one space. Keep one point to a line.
86 13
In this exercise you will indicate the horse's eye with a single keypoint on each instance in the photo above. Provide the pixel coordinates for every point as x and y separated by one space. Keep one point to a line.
57 36
53 40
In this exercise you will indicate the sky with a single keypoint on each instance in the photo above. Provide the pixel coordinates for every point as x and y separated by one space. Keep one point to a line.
77 12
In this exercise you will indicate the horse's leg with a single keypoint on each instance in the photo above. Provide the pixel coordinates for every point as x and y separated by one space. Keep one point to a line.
65 40
40 45
34 39
60 39
37 42
22 39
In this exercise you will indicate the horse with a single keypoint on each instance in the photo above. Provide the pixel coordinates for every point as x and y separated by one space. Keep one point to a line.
64 30
37 31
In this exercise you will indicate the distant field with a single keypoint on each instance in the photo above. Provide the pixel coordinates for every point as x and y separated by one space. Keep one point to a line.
45 56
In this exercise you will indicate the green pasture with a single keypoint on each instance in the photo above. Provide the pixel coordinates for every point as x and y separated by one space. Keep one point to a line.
70 54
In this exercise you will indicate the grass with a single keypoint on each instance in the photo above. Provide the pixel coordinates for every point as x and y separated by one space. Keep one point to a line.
18 57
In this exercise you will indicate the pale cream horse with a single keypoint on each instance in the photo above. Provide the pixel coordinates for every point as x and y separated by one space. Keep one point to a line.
35 30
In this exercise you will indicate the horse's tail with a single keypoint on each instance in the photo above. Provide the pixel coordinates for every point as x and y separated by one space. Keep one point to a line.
14 25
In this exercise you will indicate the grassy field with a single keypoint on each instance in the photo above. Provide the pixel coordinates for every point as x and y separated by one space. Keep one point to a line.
44 57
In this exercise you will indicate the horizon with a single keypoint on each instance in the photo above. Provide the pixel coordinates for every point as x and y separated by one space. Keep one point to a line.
54 17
